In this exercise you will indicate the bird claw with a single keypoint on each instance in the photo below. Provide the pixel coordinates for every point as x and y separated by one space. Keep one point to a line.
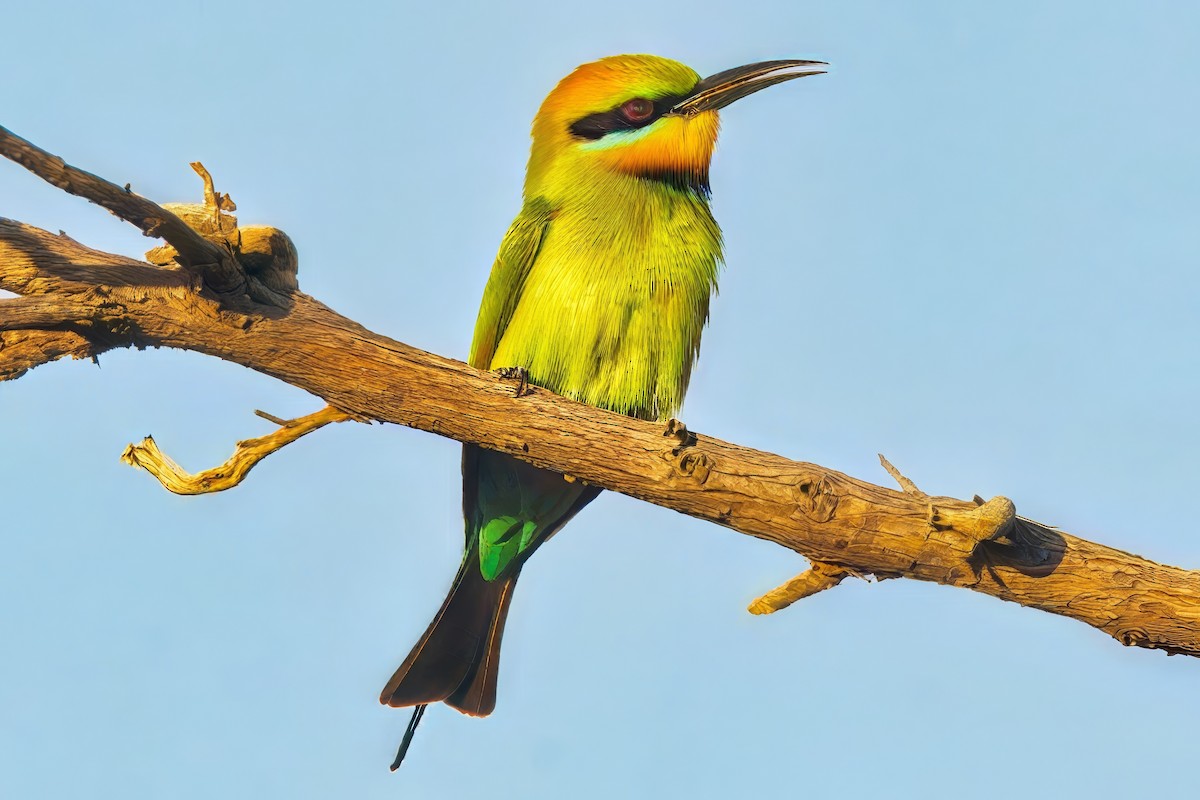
679 431
519 374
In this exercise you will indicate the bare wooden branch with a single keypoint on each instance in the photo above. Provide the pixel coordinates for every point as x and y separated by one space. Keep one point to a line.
247 454
280 421
899 477
213 200
829 517
817 578
21 351
217 266
39 312
148 216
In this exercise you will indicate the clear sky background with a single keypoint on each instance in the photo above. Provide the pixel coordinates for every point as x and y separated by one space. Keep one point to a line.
972 247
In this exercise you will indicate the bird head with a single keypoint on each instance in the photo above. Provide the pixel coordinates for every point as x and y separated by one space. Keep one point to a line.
639 116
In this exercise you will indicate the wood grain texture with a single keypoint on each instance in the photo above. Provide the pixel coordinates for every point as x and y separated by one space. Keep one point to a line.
95 301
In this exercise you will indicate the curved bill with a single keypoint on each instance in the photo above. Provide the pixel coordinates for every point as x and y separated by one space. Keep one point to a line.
718 91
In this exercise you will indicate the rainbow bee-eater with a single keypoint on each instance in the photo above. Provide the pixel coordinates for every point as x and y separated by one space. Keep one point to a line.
599 293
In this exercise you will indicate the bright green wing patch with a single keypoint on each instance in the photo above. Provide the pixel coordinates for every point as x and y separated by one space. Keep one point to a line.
515 505
502 540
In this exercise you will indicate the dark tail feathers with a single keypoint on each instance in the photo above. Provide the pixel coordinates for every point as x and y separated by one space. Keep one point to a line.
458 658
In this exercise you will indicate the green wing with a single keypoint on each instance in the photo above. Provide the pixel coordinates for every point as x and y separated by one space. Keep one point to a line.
510 506
517 253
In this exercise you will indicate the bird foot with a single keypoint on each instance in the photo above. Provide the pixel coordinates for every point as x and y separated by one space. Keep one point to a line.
679 431
519 374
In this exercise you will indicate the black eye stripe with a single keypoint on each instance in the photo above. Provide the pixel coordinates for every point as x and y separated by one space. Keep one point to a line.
596 126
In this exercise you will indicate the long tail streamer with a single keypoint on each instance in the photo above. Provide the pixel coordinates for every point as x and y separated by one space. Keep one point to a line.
413 722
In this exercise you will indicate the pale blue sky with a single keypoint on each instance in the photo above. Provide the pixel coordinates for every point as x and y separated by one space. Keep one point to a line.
972 247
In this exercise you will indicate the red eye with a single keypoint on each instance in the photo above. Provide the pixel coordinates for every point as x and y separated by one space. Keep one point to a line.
639 109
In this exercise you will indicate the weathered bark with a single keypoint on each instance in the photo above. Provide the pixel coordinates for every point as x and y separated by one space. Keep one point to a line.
79 302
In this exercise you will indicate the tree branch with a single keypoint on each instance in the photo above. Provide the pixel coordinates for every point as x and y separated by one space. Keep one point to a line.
817 578
21 351
841 523
39 312
217 266
247 453
899 477
151 218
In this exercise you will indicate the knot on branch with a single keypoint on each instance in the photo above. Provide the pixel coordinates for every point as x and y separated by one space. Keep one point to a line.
688 461
696 466
265 253
1133 637
991 520
1136 636
815 498
268 254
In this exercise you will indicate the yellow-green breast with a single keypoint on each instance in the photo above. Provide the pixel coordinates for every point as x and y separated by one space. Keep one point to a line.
611 310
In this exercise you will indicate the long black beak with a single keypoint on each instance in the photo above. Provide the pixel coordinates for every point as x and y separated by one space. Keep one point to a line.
718 91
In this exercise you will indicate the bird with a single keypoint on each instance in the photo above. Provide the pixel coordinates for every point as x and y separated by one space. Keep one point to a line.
599 293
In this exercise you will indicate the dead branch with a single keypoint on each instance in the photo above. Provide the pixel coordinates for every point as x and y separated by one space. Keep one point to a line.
817 578
207 260
844 525
247 453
